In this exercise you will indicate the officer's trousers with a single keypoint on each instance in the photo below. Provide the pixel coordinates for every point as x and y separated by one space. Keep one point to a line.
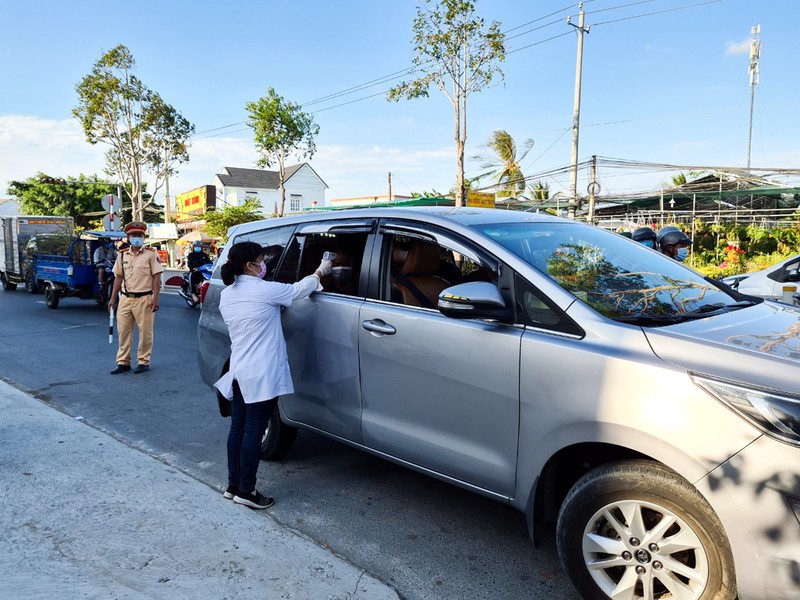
137 311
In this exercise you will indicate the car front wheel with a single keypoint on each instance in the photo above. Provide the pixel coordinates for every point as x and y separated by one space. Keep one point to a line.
636 530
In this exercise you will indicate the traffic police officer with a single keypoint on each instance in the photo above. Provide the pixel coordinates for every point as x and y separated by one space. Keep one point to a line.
138 278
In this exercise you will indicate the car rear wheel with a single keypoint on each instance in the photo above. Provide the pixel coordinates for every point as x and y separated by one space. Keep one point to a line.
7 285
637 530
278 438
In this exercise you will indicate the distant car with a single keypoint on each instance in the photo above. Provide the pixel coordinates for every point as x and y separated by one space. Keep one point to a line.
768 283
651 413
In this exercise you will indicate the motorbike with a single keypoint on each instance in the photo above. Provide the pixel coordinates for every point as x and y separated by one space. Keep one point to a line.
187 293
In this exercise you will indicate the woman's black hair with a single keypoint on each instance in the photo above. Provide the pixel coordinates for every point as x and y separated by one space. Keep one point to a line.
238 256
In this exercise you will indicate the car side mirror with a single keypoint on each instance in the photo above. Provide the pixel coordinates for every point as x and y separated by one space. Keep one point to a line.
473 300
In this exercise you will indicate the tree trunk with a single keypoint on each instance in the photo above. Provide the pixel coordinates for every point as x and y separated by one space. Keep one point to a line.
281 175
459 150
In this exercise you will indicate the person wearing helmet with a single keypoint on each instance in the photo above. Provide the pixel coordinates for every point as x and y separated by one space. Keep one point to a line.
104 258
673 242
645 236
196 259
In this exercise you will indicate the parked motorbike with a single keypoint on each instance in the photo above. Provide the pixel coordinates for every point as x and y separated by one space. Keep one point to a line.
186 292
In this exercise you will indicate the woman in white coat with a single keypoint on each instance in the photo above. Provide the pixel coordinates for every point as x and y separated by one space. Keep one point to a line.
259 366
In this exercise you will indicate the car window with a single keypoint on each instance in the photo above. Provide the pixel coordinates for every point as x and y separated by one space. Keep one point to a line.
534 309
306 251
416 270
618 278
274 242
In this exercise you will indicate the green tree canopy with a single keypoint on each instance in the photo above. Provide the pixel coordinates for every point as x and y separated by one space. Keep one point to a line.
78 198
280 128
502 163
457 53
218 221
144 133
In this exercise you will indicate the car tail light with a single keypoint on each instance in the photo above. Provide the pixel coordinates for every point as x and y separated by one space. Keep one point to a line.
203 290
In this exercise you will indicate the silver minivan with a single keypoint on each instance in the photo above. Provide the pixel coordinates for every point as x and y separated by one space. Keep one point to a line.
652 414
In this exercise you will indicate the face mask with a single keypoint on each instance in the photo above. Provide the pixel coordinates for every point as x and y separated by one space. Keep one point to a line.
198 249
341 274
683 253
137 242
263 270
648 243
107 245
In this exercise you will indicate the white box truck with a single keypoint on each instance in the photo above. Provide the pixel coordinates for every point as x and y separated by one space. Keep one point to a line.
19 236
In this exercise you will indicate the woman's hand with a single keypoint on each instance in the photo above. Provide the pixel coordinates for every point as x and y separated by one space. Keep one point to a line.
323 269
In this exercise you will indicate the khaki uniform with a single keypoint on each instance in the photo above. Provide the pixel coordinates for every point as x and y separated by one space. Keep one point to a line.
136 271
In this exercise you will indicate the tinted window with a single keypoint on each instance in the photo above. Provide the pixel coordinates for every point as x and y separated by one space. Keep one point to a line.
274 242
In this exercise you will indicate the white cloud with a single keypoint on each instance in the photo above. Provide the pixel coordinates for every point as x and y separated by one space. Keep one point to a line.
30 144
737 48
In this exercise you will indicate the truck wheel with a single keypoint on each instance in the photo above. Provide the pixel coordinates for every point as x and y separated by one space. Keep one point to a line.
7 285
51 297
30 283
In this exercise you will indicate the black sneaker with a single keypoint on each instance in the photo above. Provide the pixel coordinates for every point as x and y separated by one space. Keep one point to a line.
255 501
230 492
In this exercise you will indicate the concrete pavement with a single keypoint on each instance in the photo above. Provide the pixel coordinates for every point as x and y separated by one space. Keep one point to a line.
82 515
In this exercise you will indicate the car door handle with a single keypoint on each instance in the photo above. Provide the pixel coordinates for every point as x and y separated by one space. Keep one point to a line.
378 326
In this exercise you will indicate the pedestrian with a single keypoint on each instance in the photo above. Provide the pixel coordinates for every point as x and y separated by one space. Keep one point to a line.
645 236
137 276
259 365
673 242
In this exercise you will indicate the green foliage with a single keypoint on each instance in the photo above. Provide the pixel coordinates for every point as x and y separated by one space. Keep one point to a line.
457 53
142 131
502 163
540 190
71 197
280 128
218 221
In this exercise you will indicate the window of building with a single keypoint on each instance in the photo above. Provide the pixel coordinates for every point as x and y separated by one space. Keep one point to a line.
295 203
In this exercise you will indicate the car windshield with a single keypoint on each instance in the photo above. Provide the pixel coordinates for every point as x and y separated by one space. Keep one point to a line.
619 278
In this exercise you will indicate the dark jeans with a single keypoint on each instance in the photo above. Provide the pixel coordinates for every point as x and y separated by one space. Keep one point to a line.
248 424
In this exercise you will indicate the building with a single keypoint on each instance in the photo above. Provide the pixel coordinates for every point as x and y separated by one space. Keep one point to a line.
9 207
367 200
304 188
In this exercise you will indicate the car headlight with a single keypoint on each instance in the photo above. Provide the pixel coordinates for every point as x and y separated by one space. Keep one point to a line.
776 413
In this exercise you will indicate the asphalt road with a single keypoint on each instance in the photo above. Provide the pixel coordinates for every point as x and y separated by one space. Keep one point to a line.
428 539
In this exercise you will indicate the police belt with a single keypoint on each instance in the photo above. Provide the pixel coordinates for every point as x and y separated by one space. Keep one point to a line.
136 294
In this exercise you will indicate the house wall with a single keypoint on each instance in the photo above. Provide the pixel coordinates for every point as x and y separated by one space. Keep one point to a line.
304 183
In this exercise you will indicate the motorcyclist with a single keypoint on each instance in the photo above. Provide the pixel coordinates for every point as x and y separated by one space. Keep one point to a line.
645 236
673 242
197 258
104 257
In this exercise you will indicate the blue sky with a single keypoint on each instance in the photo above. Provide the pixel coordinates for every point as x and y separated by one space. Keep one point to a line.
671 87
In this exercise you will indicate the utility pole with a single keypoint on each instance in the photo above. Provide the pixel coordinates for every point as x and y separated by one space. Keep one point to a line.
390 186
576 117
755 55
167 216
593 188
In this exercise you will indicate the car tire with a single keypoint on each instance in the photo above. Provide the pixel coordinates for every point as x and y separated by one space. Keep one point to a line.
614 533
278 438
30 283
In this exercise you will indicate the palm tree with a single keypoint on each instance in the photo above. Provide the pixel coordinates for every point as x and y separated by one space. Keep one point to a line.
540 190
503 163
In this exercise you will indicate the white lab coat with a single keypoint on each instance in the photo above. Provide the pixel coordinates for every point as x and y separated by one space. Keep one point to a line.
251 308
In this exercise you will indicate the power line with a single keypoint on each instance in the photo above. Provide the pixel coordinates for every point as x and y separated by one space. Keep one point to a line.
657 12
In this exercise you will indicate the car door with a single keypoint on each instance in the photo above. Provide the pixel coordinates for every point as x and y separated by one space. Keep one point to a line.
322 332
439 393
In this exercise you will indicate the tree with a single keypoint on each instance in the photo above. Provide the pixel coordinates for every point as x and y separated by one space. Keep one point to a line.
540 190
218 221
143 132
280 128
78 198
459 55
503 165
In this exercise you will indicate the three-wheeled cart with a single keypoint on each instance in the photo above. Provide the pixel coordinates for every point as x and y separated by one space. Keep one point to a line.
74 273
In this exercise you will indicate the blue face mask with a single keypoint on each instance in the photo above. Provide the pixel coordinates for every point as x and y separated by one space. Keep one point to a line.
137 242
683 253
198 249
107 245
648 243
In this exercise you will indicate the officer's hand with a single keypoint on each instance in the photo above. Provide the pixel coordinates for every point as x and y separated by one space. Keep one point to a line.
325 268
155 304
